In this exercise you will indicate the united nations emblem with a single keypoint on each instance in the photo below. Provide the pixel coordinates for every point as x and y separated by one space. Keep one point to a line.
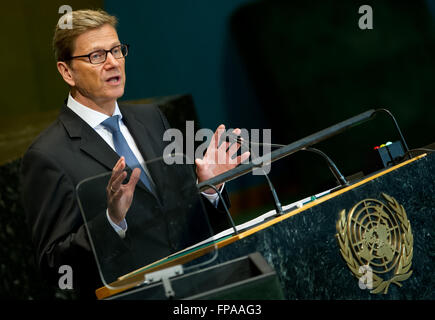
377 237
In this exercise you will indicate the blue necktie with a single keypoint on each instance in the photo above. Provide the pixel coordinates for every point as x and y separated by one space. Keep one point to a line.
122 148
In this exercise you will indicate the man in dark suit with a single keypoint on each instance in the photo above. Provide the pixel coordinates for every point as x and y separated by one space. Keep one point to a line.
93 135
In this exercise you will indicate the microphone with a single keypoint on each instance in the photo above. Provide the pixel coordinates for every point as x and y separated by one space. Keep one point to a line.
277 203
230 218
405 146
335 171
337 174
298 145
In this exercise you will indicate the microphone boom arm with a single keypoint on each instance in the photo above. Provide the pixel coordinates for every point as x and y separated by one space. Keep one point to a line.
287 150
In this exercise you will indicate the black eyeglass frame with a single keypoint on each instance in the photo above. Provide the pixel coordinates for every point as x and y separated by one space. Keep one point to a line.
127 46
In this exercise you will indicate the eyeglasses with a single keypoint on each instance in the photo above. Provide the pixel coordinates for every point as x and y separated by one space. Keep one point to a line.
100 56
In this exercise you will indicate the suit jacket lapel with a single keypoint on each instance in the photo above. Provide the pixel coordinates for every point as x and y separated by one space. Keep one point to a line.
91 143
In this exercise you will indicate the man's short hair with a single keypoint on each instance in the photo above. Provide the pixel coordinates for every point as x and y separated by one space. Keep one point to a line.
82 21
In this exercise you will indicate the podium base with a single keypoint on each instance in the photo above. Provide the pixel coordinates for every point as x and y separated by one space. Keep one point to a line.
245 278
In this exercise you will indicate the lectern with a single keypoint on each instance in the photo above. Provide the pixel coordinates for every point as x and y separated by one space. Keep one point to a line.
372 238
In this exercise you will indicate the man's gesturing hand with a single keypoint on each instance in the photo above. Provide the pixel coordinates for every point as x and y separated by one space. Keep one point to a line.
219 158
120 196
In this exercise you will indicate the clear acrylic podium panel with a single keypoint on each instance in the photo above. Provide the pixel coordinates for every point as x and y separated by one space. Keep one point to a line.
163 226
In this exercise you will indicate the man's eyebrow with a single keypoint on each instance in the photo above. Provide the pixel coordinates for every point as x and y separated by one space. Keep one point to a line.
96 48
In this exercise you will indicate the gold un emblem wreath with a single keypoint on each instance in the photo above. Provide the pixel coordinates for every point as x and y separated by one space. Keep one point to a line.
377 237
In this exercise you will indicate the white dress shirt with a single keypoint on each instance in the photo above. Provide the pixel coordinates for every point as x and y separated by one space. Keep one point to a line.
94 119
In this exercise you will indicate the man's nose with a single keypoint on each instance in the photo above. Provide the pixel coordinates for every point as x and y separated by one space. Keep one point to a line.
111 60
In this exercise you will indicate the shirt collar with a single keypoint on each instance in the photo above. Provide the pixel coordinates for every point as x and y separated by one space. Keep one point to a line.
92 117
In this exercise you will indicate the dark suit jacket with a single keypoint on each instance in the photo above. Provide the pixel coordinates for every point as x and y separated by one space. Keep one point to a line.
70 151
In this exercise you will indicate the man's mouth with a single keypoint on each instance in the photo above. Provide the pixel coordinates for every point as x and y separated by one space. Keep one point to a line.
115 80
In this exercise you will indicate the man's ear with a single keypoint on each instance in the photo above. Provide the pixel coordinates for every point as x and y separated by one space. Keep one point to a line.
66 72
